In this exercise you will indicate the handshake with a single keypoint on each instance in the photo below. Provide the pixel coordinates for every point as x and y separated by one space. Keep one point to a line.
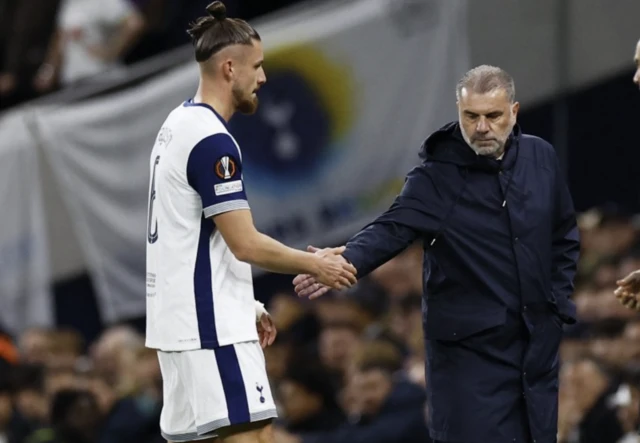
332 271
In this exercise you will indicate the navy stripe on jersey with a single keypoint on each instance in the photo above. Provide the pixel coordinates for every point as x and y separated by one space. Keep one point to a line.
189 103
214 170
203 290
233 385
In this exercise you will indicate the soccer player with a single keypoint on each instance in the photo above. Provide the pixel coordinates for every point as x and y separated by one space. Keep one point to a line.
201 243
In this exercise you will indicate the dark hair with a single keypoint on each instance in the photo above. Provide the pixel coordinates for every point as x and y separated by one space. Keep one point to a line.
217 31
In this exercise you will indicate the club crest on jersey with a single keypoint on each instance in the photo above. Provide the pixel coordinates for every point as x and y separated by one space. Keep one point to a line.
225 168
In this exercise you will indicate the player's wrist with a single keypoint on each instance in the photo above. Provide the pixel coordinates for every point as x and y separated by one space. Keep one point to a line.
260 310
314 264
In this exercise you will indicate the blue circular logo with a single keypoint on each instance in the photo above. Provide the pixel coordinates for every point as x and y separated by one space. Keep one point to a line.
304 113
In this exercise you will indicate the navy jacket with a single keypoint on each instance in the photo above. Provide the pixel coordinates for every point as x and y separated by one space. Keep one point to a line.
501 249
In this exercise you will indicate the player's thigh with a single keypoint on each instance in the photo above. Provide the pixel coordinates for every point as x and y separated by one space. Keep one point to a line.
228 387
254 432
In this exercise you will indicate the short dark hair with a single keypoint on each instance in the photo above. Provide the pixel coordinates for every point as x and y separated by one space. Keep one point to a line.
486 78
217 31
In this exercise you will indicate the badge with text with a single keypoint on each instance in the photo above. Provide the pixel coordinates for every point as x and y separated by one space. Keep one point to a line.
225 168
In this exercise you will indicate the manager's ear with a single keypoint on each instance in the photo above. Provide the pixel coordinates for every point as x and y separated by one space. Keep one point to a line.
515 108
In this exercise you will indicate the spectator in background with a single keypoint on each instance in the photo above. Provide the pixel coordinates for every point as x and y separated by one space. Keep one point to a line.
387 408
307 399
92 36
35 346
26 27
75 418
587 412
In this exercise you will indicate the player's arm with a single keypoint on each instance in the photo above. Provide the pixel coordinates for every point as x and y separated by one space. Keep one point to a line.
251 246
214 170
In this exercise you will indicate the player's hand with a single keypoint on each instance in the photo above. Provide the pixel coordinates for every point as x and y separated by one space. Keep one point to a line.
266 330
313 287
332 269
628 291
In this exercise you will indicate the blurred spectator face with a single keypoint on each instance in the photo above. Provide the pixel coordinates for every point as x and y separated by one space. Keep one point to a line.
32 404
402 274
583 383
372 388
6 410
83 417
35 346
103 393
406 322
57 380
285 310
636 59
336 344
339 310
75 416
276 358
147 373
114 353
297 402
66 348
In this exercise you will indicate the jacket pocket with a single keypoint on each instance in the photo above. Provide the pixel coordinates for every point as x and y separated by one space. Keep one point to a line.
445 321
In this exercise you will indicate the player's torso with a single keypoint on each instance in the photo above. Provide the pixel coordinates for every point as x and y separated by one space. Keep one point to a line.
198 293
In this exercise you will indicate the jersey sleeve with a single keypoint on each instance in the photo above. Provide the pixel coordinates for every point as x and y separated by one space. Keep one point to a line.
214 170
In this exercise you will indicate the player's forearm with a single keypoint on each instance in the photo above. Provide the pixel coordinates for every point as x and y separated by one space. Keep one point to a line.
273 256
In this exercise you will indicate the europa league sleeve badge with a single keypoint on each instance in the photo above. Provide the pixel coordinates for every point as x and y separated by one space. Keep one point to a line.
225 168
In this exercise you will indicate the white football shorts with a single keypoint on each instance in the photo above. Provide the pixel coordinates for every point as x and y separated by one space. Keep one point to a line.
208 389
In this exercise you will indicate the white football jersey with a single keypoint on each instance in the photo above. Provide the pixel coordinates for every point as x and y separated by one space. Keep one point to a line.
199 296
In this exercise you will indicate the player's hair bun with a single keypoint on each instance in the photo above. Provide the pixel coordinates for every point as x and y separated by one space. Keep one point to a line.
217 10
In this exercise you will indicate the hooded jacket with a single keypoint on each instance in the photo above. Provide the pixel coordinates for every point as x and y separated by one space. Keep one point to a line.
500 241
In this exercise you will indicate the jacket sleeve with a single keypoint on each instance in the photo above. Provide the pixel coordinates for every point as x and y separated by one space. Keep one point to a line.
565 250
411 216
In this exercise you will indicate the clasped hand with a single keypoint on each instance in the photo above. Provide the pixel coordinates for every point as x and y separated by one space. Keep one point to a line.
339 274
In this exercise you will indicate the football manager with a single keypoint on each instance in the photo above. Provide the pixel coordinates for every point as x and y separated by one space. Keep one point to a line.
500 253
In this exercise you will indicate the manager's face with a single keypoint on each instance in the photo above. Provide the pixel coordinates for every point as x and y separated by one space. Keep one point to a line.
486 120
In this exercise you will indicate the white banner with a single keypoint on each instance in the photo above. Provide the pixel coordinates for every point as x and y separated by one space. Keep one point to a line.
25 294
353 89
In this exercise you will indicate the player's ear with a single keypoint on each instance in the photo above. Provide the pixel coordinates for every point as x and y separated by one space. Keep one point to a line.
228 69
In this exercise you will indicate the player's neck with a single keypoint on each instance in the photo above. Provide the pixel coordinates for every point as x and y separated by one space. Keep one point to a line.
223 107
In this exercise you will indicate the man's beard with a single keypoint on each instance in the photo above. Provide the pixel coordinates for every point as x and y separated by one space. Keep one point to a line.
245 105
494 149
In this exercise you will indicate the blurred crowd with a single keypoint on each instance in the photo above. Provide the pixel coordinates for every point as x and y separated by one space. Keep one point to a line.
53 44
348 367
